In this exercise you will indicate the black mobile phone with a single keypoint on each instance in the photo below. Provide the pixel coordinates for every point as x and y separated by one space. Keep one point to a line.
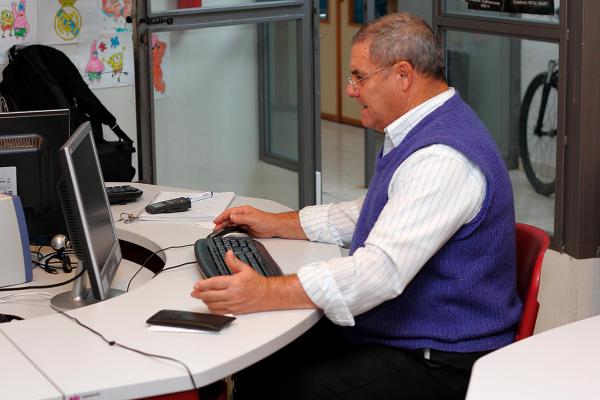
190 320
179 204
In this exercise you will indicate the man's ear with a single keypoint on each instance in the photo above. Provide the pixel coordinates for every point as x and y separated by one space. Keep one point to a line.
404 75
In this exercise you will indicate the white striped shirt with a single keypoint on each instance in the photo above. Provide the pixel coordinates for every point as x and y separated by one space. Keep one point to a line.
431 195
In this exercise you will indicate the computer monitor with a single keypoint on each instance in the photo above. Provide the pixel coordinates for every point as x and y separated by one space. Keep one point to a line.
29 143
89 220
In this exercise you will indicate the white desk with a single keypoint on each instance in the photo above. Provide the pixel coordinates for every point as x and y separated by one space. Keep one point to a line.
79 363
562 363
20 377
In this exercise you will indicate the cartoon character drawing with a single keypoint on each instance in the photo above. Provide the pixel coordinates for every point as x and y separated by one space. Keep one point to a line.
116 63
94 67
116 8
158 52
21 25
111 8
6 22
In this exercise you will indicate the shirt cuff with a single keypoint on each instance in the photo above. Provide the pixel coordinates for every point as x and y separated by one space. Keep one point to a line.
322 290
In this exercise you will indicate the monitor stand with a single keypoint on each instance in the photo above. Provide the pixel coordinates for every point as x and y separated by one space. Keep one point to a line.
79 296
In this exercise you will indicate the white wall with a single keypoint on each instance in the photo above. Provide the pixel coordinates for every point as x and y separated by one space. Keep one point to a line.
569 290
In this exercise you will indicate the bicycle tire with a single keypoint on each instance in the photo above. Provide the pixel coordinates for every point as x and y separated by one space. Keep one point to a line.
541 174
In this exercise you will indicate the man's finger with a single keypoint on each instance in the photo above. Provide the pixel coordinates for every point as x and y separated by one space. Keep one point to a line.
213 296
215 283
235 264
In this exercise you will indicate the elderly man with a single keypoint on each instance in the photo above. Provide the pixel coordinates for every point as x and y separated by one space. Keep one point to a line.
429 285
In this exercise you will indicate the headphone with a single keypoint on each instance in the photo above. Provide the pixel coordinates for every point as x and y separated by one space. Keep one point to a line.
60 243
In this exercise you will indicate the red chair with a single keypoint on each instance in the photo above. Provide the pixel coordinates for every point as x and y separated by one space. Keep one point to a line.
532 243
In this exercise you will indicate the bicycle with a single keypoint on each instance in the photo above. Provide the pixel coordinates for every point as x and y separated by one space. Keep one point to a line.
538 129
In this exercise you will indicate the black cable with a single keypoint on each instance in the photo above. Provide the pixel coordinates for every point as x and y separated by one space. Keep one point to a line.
148 259
114 343
8 289
173 267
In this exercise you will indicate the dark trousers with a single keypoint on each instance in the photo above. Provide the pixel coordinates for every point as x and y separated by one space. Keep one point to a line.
322 365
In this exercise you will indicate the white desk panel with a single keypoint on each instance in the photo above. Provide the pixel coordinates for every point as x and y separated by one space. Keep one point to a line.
20 378
81 363
561 363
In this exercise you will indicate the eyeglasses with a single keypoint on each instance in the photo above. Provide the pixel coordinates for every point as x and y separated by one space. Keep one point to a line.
356 82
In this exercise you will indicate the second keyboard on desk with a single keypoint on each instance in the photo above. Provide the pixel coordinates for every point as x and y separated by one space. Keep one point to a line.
210 254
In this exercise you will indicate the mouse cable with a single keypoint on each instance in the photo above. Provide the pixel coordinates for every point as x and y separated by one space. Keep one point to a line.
8 289
152 255
117 344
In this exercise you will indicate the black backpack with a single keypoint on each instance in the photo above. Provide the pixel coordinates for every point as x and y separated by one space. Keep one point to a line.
41 77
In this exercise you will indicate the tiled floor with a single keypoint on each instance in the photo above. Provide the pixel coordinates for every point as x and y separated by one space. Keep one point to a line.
343 161
343 164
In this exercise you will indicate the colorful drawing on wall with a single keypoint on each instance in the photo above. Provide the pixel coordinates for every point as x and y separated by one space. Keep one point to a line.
116 61
107 60
18 23
7 20
67 21
115 15
159 49
94 67
21 24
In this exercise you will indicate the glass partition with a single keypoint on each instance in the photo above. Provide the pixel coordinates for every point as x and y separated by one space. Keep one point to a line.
502 79
207 120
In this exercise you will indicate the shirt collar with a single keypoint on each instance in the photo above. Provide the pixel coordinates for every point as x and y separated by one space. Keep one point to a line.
397 130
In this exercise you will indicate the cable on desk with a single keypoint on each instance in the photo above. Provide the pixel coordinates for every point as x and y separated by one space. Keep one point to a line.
152 255
114 343
9 289
173 267
41 257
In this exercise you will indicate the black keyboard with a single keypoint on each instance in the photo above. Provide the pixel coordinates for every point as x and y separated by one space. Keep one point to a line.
122 194
210 254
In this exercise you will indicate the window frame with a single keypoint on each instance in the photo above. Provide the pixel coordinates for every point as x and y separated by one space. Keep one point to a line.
577 195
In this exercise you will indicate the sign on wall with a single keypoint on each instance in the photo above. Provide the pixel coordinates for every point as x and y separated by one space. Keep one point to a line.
544 7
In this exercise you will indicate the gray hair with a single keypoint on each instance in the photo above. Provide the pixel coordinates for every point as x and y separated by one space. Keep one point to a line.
403 36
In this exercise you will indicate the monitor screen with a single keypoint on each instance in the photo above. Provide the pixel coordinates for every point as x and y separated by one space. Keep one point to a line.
87 211
29 144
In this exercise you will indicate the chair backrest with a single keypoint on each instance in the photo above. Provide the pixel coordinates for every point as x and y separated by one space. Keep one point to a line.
532 243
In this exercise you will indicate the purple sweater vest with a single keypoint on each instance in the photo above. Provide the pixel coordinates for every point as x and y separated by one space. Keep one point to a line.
464 298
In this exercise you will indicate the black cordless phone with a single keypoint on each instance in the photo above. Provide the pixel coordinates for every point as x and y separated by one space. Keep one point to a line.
169 206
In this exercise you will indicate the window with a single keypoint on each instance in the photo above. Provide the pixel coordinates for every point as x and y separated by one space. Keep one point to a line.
529 42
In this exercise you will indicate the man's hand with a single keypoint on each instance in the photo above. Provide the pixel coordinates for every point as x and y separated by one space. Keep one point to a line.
262 224
247 291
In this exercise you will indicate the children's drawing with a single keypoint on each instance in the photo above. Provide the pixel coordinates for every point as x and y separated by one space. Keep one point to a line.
6 22
94 67
103 66
18 23
158 52
116 13
21 25
67 22
116 61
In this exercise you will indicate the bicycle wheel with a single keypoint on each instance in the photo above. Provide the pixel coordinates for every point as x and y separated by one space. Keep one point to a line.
537 147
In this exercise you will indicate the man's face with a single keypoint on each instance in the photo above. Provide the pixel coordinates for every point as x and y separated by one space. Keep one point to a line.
376 93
